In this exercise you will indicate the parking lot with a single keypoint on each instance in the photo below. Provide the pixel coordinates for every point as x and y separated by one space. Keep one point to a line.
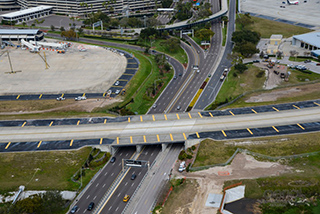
304 13
93 70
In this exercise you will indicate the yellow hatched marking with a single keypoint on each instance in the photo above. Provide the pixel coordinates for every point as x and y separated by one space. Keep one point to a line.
8 145
300 126
131 139
40 96
316 103
105 121
84 94
198 136
144 139
128 119
210 114
178 116
200 114
223 133
189 115
249 131
231 113
171 137
158 138
254 111
275 129
275 109
141 118
23 124
51 123
184 136
296 106
101 139
39 144
18 97
71 142
78 122
117 140
165 117
154 119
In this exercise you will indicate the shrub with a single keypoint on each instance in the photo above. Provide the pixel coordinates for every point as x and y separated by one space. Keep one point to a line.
183 155
260 74
193 148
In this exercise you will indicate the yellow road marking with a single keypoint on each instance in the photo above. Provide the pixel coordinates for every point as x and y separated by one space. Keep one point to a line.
223 133
78 122
8 145
84 94
18 97
296 106
231 113
62 95
23 124
184 136
158 138
71 142
128 119
104 94
300 126
275 109
51 123
275 129
117 140
165 117
189 115
254 111
146 201
105 121
249 131
40 96
171 137
141 118
144 139
210 114
153 118
198 136
316 103
101 139
131 139
178 116
39 144
200 114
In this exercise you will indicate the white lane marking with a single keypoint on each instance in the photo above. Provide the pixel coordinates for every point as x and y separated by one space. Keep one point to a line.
97 184
119 195
112 174
104 185
110 208
139 173
105 173
127 154
94 197
119 164
121 154
88 196
126 184
117 208
132 184
151 153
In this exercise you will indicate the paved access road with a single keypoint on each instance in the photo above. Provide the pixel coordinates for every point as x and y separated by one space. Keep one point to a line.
102 181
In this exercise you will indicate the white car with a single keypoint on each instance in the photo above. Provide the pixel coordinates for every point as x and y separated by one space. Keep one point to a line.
117 83
109 92
80 98
117 91
60 98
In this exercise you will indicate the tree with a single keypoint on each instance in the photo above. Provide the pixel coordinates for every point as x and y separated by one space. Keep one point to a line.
145 33
62 29
204 34
52 27
80 31
240 67
246 49
246 36
70 34
244 21
152 22
171 45
166 3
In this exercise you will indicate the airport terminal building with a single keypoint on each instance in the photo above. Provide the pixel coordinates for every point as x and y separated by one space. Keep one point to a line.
309 41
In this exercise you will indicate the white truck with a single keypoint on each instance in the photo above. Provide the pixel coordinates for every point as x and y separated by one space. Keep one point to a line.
182 166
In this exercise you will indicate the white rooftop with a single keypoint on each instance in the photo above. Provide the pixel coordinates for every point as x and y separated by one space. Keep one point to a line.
312 38
26 11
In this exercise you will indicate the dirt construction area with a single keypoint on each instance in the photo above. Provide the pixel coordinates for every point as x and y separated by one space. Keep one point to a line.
75 71
211 180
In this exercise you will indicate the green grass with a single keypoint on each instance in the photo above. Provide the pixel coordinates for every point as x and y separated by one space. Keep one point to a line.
179 55
52 169
224 34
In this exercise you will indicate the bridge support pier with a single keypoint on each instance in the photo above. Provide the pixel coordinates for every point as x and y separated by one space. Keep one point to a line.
189 143
139 147
164 146
104 148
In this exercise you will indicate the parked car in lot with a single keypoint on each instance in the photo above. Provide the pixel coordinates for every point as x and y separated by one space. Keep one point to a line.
74 209
117 91
117 83
60 98
90 206
80 98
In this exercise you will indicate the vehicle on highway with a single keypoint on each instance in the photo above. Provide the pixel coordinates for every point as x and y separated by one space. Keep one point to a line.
209 75
113 159
117 91
154 105
74 209
60 98
174 77
256 60
117 83
178 107
133 176
90 206
126 198
180 74
80 98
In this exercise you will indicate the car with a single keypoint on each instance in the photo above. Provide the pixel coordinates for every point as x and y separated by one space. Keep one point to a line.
126 198
178 107
117 83
117 91
80 98
174 77
154 105
90 206
198 71
113 159
256 60
82 50
307 60
109 92
209 75
60 98
133 176
283 6
318 64
276 72
180 74
74 209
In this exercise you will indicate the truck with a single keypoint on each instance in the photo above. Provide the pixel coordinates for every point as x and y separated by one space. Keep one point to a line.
224 74
182 166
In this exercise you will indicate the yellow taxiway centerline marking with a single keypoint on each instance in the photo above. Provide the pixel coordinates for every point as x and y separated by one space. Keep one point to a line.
231 113
300 126
184 136
158 138
8 145
200 114
275 109
71 142
39 144
198 136
249 131
275 129
223 133
101 139
254 111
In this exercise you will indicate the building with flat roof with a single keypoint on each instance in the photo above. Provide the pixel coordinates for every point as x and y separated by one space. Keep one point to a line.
273 46
18 34
8 5
309 41
27 14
